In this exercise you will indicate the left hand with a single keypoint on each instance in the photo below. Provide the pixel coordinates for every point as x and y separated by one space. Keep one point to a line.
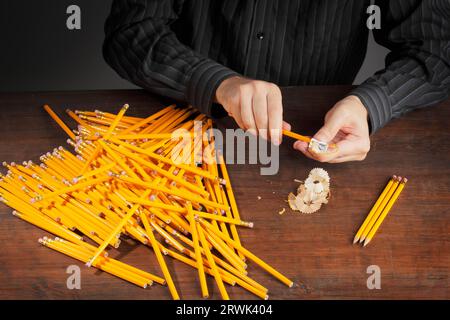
346 126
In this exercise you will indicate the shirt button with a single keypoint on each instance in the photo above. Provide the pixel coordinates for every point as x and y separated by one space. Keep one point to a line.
260 35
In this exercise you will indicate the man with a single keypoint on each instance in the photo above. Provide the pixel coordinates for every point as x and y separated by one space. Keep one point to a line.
237 53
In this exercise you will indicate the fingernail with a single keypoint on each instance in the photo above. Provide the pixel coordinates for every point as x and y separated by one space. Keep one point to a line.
276 140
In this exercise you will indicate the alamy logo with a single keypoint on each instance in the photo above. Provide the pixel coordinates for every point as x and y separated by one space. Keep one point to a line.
241 148
374 280
73 21
74 280
374 20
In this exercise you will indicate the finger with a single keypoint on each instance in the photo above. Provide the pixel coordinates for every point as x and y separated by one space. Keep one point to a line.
286 126
325 156
237 117
305 152
321 157
303 148
346 147
260 113
247 112
351 150
239 122
356 157
330 128
275 114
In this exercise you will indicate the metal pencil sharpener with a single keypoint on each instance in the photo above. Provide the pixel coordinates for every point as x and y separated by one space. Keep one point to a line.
318 146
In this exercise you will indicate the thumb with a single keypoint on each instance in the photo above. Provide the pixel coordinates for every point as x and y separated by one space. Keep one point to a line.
286 126
331 127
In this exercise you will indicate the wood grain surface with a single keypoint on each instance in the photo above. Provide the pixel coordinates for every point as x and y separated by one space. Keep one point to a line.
411 248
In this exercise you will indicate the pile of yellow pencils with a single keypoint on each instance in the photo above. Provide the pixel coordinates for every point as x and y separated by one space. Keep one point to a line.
380 210
131 177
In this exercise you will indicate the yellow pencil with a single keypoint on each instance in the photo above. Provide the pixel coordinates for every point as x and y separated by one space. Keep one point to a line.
374 208
159 257
75 117
385 212
217 276
221 218
94 172
198 254
59 121
250 255
379 209
136 279
232 200
296 136
116 121
129 177
119 227
193 263
72 188
148 119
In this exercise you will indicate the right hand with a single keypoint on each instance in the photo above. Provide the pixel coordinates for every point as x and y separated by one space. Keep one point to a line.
255 105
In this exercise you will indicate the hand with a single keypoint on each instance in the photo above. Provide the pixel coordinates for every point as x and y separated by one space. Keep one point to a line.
255 105
346 126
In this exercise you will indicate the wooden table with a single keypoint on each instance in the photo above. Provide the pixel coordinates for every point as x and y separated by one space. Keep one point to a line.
412 247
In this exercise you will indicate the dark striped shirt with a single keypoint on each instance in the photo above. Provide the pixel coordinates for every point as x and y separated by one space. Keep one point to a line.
185 48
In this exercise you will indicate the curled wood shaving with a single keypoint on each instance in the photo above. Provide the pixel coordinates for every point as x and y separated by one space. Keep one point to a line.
292 201
311 194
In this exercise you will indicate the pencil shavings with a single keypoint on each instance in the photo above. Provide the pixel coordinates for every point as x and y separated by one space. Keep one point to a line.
292 201
311 194
318 181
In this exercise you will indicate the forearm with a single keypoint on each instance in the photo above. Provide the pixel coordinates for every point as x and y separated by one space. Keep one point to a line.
403 87
417 70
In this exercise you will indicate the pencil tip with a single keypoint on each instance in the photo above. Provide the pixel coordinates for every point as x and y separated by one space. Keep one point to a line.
355 240
366 242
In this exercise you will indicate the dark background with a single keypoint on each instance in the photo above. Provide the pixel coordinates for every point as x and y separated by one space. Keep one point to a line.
39 53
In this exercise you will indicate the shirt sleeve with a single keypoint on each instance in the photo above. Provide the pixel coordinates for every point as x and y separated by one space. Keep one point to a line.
142 48
417 72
